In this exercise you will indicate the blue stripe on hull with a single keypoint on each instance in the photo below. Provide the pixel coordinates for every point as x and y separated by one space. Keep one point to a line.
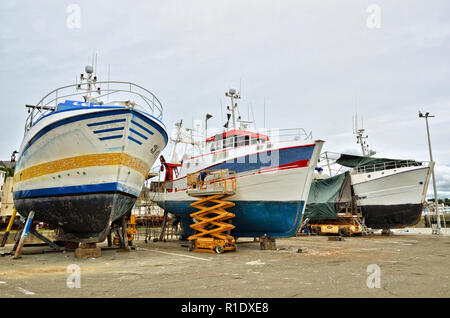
263 160
253 218
71 190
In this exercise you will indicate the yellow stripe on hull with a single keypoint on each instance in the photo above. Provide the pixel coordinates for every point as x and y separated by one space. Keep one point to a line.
78 162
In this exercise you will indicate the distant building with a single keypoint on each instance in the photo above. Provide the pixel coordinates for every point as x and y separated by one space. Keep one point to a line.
7 164
2 180
6 187
7 206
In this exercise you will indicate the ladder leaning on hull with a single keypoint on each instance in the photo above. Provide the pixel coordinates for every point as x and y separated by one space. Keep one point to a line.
212 222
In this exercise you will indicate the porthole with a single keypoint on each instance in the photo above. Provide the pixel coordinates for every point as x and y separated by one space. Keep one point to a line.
368 176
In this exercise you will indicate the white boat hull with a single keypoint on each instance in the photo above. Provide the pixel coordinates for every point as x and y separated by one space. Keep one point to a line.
80 170
392 198
269 199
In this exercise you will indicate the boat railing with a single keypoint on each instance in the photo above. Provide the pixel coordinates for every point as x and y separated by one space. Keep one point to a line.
100 94
286 134
388 166
275 136
329 164
211 182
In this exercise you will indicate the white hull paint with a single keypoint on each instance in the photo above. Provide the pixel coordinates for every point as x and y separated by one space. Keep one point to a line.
268 200
399 186
81 170
71 144
272 185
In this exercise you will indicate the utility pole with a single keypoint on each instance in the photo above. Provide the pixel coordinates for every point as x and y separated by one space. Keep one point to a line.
438 219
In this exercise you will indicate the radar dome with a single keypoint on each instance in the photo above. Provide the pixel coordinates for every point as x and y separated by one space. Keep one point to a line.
89 69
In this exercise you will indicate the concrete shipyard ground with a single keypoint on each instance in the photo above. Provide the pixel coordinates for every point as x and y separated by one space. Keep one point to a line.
413 264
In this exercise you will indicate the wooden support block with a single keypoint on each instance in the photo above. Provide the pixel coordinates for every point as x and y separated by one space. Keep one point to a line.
71 245
267 243
88 250
125 249
297 250
335 238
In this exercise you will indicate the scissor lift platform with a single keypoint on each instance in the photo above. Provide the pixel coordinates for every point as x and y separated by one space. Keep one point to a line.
212 222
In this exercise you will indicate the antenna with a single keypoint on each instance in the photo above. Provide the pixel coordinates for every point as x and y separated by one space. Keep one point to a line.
264 112
221 110
253 115
95 64
240 86
109 69
361 138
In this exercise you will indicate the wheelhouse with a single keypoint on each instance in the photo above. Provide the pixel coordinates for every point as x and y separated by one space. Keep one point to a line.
233 139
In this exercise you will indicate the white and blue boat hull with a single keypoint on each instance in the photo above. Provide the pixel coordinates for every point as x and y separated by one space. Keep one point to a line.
270 195
82 168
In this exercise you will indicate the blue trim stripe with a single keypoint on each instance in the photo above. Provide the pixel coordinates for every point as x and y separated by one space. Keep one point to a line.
159 128
111 137
71 190
95 115
78 108
142 127
136 141
107 130
264 160
138 133
107 122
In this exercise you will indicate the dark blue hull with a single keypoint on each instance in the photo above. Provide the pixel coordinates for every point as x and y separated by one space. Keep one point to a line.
253 218
85 216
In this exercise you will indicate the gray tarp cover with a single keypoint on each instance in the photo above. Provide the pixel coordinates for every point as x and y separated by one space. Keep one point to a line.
326 196
353 161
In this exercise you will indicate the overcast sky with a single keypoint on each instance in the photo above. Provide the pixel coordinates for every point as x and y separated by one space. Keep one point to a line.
315 62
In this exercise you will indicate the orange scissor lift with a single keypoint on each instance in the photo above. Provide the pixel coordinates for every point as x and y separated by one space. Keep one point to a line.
212 222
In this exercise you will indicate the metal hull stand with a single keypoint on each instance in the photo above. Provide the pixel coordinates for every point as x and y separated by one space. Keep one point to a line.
27 229
267 243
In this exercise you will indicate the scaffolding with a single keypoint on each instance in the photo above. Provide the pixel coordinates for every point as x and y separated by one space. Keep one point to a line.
152 221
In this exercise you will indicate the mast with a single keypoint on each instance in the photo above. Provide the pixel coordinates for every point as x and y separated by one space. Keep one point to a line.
90 83
233 94
360 139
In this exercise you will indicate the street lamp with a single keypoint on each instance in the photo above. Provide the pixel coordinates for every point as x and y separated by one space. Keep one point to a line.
438 219
208 116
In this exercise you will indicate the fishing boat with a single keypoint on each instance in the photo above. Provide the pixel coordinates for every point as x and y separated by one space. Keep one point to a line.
84 159
274 170
390 192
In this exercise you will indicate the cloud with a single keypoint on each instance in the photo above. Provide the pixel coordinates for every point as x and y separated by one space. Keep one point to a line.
313 63
442 174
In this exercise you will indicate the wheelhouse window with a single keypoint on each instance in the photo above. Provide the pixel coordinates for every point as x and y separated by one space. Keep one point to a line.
229 142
